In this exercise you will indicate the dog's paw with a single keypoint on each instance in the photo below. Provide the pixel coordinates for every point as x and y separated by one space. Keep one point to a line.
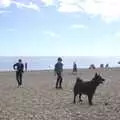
106 103
90 104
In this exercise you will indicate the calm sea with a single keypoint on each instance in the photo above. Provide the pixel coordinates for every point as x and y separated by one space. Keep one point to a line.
44 63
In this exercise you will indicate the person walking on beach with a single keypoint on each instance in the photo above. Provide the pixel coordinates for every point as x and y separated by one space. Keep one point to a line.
74 68
26 66
19 67
58 71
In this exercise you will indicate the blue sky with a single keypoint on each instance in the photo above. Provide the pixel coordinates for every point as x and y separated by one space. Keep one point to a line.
60 27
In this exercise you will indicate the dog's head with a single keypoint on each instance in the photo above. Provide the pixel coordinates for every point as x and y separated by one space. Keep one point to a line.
98 79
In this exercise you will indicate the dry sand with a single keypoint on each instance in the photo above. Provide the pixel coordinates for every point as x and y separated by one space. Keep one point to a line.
39 100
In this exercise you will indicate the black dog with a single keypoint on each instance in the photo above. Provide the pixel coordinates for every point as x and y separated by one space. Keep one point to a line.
87 87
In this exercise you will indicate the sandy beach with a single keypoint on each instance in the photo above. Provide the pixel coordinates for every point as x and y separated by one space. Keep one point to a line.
39 100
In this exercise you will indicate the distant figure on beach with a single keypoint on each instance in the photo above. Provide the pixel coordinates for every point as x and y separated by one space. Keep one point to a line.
58 71
26 66
92 66
101 65
19 67
107 66
74 68
49 67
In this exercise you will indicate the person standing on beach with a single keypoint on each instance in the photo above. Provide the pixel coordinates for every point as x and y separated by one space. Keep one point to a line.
26 66
19 67
58 71
74 68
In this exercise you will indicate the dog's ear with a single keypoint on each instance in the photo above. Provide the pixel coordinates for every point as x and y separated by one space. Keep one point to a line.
99 75
96 74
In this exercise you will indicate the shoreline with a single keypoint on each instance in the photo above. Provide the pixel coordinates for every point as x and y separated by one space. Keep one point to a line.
66 69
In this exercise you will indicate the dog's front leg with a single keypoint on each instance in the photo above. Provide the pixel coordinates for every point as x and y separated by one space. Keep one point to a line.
74 101
80 100
90 99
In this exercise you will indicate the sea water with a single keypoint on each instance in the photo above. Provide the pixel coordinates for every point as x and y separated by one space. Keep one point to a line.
48 62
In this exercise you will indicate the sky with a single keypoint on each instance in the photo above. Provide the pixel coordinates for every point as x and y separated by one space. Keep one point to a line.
60 27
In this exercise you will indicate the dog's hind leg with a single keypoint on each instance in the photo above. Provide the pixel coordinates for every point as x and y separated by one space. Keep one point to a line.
74 101
80 100
90 99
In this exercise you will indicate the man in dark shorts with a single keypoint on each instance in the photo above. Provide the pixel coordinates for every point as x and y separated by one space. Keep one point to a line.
58 70
74 67
19 67
26 66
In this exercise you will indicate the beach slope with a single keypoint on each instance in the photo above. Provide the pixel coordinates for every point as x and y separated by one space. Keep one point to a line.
38 99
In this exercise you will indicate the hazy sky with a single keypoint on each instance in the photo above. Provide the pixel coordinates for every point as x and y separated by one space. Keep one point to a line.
60 27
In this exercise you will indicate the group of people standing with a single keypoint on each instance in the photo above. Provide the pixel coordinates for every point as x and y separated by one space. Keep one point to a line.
58 70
